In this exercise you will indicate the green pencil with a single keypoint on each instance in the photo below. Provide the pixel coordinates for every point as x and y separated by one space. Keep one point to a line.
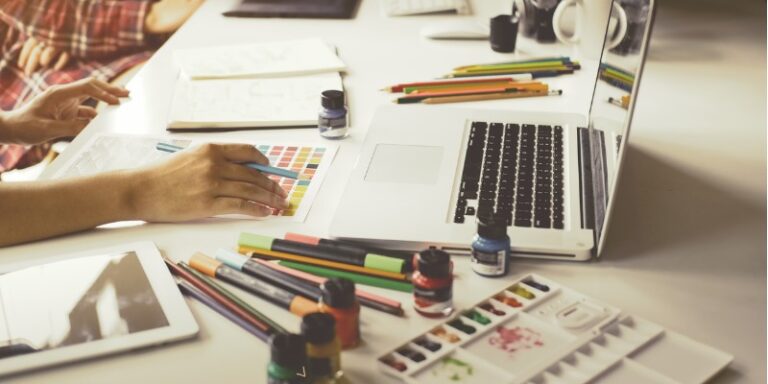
224 292
357 278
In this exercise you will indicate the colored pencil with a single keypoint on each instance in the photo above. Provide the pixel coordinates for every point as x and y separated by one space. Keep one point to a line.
202 285
558 59
623 85
606 66
532 67
367 299
618 75
503 71
190 290
296 304
400 87
356 277
490 96
264 254
624 102
170 148
532 85
417 98
535 74
271 325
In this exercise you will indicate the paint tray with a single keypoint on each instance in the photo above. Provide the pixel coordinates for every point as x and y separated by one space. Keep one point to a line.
537 332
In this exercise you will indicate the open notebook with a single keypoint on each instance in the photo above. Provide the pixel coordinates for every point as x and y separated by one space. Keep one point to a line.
249 103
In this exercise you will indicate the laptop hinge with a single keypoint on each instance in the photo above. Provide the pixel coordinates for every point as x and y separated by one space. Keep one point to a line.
585 180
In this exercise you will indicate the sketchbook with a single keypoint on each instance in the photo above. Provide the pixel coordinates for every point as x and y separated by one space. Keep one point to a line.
249 103
275 59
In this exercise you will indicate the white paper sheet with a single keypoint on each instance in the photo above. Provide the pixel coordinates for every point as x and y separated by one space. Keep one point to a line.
108 152
259 60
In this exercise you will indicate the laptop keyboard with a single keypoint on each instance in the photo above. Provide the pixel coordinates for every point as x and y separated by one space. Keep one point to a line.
513 172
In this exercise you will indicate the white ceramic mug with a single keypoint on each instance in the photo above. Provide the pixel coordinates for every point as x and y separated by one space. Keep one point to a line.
592 20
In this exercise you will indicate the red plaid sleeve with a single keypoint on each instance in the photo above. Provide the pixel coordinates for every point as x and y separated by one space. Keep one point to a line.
84 28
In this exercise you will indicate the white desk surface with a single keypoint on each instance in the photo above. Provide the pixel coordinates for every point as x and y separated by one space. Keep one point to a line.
687 245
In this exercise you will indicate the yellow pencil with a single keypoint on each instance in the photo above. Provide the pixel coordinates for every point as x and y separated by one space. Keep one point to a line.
490 96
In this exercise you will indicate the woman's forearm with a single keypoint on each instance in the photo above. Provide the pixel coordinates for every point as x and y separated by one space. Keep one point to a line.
38 210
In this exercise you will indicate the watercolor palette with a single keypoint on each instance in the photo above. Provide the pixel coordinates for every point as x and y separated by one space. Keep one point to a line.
538 332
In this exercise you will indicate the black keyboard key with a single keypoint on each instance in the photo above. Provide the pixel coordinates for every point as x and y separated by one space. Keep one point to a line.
522 223
470 211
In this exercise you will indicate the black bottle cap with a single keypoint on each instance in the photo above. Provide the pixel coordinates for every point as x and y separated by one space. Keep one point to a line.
332 99
288 350
434 263
318 328
491 227
338 293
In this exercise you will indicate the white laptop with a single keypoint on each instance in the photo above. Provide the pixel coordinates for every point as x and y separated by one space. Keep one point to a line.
426 173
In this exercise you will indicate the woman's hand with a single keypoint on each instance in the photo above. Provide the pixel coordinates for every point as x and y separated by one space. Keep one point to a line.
57 112
203 182
37 55
166 16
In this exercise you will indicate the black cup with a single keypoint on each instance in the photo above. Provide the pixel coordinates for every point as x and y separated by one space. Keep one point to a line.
504 33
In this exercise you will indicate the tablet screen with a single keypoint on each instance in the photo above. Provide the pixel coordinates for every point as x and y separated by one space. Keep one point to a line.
76 301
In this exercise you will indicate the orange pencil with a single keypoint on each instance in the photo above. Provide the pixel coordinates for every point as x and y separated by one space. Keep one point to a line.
533 86
262 253
489 96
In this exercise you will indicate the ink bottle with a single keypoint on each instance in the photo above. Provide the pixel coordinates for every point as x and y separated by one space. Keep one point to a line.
490 248
433 283
323 347
287 363
338 299
332 119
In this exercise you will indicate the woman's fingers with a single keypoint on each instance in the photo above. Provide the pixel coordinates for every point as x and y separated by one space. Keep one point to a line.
237 172
33 61
85 112
90 87
250 192
61 62
232 205
26 49
47 55
243 153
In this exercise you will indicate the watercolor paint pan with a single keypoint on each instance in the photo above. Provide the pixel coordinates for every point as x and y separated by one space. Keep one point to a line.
538 332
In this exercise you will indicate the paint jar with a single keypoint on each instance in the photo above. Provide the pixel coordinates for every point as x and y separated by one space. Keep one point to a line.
433 283
332 119
338 299
289 355
490 248
323 347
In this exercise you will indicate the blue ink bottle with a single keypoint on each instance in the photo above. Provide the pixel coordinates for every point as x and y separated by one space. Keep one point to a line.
490 247
332 119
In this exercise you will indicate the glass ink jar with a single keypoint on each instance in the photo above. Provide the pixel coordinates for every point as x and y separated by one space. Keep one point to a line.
332 119
433 283
490 248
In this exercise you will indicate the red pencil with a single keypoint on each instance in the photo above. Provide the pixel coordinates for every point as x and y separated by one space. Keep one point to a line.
215 295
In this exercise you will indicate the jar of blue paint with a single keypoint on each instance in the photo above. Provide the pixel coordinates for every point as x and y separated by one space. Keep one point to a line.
332 119
490 248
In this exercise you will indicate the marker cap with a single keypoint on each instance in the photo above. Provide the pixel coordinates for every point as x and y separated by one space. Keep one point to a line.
318 328
255 241
338 293
231 259
383 263
204 264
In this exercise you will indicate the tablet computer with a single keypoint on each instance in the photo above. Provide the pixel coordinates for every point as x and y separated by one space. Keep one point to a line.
89 304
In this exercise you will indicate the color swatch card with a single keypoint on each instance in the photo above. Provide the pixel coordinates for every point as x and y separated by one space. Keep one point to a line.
537 332
108 152
249 103
286 58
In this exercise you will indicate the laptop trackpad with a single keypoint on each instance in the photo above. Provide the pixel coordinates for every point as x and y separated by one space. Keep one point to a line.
411 164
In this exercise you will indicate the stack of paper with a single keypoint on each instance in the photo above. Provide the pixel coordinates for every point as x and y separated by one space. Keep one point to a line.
253 86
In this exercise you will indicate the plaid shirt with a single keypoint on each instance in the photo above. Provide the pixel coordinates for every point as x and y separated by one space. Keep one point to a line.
103 38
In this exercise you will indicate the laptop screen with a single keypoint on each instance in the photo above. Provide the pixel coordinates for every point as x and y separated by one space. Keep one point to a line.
613 100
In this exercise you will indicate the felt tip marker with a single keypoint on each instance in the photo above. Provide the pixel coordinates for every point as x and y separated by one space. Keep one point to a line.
170 148
325 252
296 304
346 246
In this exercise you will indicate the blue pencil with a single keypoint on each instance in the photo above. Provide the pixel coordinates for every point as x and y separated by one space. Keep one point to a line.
170 148
189 289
